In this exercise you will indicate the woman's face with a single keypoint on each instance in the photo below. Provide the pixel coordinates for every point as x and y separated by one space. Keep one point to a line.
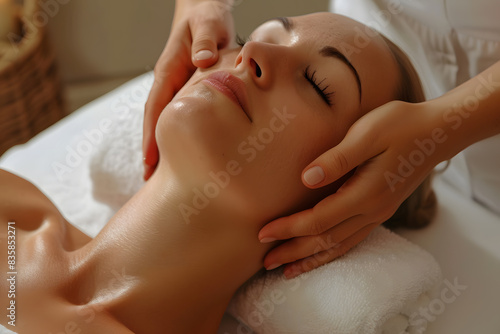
253 121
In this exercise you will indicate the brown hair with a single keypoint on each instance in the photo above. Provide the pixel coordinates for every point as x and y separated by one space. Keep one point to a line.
419 208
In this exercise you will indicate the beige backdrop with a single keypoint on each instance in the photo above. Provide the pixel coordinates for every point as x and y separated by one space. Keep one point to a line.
101 44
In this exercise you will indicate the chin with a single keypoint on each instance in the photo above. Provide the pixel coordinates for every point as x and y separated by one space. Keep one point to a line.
194 139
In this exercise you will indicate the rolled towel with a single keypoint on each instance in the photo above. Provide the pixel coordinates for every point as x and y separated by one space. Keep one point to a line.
115 167
374 288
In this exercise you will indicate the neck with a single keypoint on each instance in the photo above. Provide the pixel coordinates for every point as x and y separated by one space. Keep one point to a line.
180 276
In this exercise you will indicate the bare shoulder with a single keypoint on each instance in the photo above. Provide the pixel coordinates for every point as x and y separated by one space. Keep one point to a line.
22 202
10 180
16 191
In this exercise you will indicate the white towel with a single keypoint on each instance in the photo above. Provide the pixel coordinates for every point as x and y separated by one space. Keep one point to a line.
377 287
116 166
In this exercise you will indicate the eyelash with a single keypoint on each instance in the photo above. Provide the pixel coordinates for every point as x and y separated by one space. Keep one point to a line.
322 92
242 41
311 78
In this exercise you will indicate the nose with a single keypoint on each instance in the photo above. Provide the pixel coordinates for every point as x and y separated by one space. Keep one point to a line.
263 61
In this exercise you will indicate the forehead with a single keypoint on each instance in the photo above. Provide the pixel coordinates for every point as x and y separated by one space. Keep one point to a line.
362 46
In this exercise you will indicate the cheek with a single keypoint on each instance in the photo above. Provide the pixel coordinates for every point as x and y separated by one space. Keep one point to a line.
273 160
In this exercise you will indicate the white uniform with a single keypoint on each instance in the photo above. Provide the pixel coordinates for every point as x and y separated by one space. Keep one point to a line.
448 42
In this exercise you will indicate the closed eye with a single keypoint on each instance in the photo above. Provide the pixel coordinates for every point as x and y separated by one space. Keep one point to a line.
310 77
322 91
242 41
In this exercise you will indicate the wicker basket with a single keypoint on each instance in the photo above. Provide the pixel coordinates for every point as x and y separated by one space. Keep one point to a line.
30 88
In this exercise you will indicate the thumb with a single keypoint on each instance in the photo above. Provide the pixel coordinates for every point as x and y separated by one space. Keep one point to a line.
336 162
204 47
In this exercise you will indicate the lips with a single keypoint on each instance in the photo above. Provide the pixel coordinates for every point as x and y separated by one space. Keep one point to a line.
231 86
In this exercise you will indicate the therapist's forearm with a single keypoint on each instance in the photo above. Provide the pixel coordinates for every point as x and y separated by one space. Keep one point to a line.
471 111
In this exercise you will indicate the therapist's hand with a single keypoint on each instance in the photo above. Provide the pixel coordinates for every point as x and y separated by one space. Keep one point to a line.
376 146
199 29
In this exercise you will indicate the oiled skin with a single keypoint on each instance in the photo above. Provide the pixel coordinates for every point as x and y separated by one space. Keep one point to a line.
43 239
132 278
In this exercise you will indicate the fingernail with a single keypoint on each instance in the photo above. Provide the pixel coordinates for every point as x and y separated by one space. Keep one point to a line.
147 161
203 55
267 240
314 175
148 171
273 266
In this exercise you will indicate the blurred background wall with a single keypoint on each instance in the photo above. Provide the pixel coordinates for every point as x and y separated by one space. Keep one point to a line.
101 44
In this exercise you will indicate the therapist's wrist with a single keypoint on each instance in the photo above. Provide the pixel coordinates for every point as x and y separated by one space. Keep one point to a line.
470 112
437 133
426 130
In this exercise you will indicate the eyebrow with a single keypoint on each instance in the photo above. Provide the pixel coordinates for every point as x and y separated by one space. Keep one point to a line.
327 51
330 51
287 23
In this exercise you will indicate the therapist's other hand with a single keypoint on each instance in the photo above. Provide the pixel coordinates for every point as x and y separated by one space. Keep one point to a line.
199 29
375 147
